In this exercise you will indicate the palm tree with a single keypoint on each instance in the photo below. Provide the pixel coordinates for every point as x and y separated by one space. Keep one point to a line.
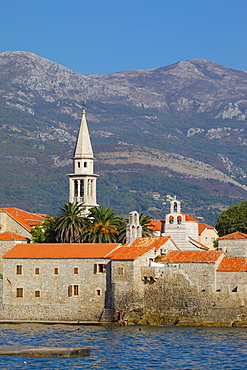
69 224
145 222
103 225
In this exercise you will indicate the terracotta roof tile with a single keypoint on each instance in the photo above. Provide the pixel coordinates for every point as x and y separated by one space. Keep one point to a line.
86 250
155 242
233 264
26 219
202 226
139 247
236 235
155 225
11 236
189 218
191 256
129 252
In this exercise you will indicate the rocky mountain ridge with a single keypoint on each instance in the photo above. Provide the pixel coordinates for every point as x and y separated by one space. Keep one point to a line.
169 88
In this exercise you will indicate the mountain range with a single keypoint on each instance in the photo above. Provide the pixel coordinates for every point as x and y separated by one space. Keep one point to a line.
178 129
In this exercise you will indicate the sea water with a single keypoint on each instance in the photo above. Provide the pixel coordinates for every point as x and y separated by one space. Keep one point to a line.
131 347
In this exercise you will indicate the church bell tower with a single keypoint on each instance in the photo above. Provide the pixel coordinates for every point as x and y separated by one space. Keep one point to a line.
82 182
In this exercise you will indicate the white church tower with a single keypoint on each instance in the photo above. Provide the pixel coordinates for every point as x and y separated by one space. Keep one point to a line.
180 226
82 182
133 229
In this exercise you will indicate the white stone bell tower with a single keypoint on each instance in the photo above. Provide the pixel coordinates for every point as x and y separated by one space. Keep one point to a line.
133 229
82 183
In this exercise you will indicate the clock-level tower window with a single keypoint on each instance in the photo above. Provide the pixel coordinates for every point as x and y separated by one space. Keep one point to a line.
85 164
78 164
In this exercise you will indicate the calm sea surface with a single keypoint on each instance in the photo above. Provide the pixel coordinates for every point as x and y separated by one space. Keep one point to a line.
129 347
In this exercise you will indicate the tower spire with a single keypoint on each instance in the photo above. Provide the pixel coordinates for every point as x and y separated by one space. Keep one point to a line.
82 182
83 148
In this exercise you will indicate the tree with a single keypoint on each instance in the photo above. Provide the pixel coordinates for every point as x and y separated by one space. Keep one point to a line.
44 233
103 225
233 219
70 226
145 222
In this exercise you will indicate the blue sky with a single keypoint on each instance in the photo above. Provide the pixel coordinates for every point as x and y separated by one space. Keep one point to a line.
107 36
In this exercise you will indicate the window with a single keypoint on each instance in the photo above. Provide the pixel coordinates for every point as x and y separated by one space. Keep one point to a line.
179 220
82 188
98 292
235 289
75 188
78 164
212 239
37 293
73 290
120 271
19 292
18 269
36 271
85 164
99 268
171 219
206 240
76 270
55 270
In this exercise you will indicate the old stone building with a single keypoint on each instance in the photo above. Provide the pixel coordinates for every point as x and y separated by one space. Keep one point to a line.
15 227
74 281
151 280
56 281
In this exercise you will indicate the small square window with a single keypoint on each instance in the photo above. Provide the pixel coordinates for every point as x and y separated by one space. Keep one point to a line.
36 270
55 270
18 269
120 271
98 292
19 292
76 270
99 268
37 293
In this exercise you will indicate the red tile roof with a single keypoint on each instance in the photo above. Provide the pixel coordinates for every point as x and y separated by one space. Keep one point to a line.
129 252
233 264
191 256
202 226
236 235
11 236
155 242
26 219
61 250
155 225
189 218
